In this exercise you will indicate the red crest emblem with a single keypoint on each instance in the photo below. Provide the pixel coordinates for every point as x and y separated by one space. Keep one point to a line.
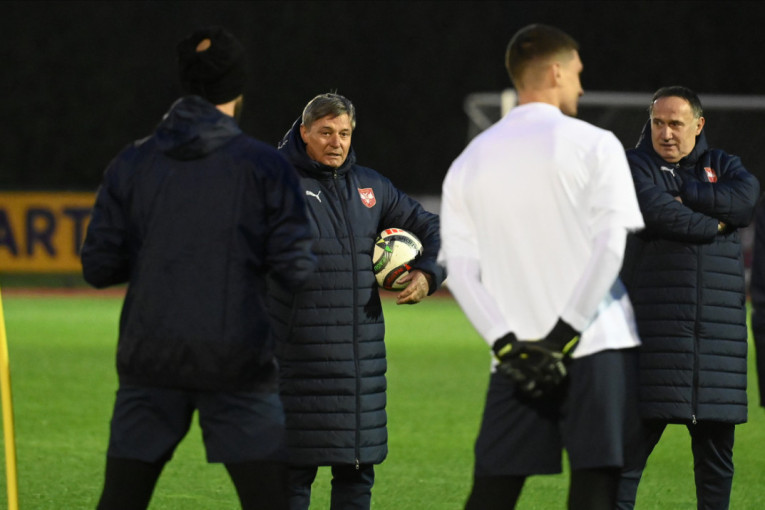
367 197
711 175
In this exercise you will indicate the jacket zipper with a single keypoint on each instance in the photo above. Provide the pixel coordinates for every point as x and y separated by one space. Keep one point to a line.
354 330
696 346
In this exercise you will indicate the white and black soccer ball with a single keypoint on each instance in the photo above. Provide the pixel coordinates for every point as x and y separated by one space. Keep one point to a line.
394 252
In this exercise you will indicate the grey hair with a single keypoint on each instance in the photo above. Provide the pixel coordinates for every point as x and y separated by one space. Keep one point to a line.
681 92
328 104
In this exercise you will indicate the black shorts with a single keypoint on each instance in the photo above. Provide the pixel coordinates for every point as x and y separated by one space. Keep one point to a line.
148 423
521 436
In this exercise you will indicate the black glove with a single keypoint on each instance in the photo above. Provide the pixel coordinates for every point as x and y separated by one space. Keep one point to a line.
562 338
537 367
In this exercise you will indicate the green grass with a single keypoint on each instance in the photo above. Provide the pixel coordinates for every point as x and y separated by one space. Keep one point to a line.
62 363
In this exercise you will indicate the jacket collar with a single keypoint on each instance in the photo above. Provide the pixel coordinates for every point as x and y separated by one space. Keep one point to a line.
194 128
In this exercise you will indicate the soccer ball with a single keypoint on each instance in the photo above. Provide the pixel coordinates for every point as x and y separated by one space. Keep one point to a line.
395 250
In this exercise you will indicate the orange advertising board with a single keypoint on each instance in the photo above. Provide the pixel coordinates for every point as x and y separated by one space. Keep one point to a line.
42 232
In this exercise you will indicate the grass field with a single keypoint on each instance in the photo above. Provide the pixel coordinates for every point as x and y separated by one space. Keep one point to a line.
62 362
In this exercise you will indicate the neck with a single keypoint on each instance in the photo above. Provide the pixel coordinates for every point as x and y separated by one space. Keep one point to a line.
539 96
227 108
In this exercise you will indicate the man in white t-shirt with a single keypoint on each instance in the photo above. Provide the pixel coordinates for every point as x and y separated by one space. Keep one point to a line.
535 214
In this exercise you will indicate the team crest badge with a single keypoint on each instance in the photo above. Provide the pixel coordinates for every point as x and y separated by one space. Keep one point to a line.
367 197
711 175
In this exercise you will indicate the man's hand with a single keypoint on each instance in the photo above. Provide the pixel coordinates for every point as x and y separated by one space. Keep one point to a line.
562 338
417 290
536 367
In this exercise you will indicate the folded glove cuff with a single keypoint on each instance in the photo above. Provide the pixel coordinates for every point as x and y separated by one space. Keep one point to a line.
504 345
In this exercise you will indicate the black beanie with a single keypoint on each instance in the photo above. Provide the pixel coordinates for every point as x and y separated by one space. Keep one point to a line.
217 72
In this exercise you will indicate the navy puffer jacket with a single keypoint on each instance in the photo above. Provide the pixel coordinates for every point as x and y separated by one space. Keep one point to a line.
193 218
757 295
331 349
686 282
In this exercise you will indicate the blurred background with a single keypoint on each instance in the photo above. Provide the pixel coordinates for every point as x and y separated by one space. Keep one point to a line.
81 79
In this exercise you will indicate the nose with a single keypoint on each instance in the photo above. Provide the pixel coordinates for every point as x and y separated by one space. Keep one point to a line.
665 133
334 140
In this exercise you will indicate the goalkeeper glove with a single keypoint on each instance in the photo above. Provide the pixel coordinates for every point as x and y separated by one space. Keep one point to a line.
536 367
563 338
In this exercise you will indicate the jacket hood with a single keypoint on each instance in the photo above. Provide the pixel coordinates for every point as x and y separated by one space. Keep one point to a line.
293 147
645 144
194 128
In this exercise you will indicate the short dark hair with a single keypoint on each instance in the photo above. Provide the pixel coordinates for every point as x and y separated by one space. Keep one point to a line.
681 92
328 104
535 42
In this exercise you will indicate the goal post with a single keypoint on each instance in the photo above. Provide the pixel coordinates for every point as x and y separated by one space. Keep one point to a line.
733 123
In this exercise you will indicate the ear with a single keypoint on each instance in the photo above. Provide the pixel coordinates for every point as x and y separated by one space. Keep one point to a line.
556 72
700 125
303 133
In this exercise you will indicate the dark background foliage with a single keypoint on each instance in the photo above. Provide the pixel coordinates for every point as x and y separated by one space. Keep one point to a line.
82 79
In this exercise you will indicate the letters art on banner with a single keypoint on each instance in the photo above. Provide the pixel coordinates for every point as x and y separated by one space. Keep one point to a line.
42 232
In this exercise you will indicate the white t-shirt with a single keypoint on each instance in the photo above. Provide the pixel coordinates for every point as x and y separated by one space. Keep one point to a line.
534 218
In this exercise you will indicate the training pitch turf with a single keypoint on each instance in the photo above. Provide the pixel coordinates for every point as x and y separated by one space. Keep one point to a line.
62 366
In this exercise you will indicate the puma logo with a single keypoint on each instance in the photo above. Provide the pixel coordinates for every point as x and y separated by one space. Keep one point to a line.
667 169
314 195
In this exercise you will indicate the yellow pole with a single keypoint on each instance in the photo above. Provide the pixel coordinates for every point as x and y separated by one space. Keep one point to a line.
11 476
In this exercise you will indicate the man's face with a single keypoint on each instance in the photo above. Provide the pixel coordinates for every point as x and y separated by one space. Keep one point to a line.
328 139
570 83
674 128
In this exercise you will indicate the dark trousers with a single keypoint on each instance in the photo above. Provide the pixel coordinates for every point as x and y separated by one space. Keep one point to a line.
712 447
759 352
589 489
129 484
351 486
